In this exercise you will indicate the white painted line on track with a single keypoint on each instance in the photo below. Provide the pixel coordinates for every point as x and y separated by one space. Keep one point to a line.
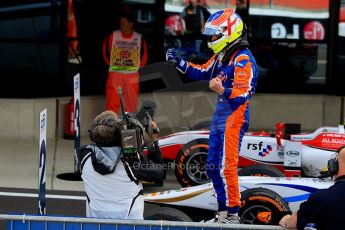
50 196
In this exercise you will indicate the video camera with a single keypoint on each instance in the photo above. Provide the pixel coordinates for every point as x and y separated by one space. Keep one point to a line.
135 129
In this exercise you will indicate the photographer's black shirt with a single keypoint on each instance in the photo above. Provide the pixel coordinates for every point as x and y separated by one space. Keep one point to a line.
325 208
151 167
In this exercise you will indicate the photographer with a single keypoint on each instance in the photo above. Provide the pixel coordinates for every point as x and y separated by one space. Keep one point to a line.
112 184
323 208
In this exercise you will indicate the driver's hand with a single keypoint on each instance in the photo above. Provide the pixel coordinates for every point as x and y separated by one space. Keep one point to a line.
171 56
179 63
216 85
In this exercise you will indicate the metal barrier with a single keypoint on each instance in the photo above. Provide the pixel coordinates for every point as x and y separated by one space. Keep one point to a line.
25 222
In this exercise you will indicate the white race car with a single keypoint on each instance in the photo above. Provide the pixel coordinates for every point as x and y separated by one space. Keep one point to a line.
258 194
271 154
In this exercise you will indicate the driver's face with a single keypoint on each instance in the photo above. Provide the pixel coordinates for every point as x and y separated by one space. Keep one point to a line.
215 37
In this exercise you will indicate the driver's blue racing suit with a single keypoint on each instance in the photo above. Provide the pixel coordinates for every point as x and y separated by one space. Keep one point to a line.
230 121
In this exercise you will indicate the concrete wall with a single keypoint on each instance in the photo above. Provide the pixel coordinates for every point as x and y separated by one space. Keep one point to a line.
179 110
176 111
311 111
20 118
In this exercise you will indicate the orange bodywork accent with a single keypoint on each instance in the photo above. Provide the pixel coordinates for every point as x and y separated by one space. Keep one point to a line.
233 127
264 216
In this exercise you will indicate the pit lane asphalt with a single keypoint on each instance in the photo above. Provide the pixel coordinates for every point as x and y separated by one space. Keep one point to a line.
19 179
58 203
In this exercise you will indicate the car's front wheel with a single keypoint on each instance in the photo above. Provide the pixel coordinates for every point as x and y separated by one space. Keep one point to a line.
257 200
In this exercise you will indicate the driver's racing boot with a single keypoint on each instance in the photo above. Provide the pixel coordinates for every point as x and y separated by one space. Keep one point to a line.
226 218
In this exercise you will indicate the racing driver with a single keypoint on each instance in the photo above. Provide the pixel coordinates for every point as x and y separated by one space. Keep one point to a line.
232 73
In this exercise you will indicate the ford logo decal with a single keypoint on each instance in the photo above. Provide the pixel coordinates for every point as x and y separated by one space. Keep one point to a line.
292 153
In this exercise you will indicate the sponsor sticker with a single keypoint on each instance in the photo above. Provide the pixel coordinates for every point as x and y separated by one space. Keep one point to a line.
292 153
264 150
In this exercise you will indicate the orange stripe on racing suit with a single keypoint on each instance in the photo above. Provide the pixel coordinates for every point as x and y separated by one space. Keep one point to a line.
203 66
232 143
242 78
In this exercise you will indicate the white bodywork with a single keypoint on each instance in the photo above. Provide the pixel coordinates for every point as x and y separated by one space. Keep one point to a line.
293 190
312 160
183 137
308 151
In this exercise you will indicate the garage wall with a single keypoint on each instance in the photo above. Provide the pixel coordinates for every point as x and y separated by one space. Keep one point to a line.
176 111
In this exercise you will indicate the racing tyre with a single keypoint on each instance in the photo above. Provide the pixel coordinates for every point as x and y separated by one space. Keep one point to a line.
155 212
257 200
260 170
191 163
